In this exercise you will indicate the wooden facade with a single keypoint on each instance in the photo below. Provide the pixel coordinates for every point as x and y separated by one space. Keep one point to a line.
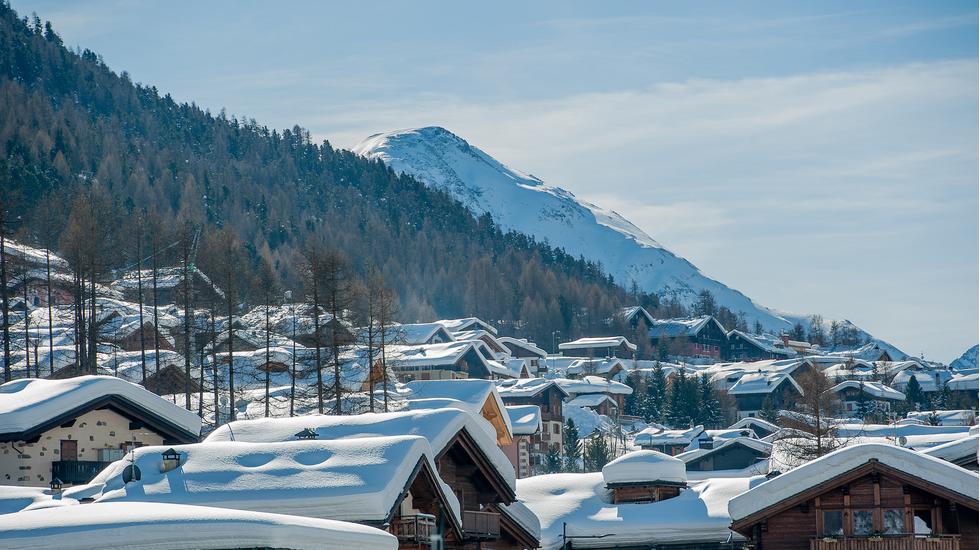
873 506
636 493
549 400
730 456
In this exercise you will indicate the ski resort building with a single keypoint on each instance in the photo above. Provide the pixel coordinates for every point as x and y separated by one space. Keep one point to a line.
861 497
71 429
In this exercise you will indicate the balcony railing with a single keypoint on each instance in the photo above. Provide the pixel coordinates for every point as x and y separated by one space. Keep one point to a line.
417 528
888 542
481 524
76 471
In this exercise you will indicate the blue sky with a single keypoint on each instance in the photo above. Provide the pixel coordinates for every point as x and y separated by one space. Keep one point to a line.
816 156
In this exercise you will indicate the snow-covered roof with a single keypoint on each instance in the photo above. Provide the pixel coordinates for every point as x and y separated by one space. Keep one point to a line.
525 387
177 526
751 443
590 400
592 384
761 382
473 392
597 366
523 344
750 421
874 389
657 436
957 449
30 403
963 417
672 328
629 312
929 380
581 504
644 467
839 462
418 333
598 342
764 342
525 419
357 479
428 355
523 516
467 323
964 382
438 426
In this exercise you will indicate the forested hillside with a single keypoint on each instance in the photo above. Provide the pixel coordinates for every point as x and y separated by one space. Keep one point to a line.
71 127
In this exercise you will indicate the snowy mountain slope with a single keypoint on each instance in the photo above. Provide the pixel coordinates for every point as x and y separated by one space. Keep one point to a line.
967 361
524 203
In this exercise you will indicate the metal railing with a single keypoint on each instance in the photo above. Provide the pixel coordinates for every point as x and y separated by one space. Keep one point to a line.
905 541
481 524
76 471
417 528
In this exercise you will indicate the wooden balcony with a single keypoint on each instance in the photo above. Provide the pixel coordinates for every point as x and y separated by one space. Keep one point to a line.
75 472
417 528
481 525
888 542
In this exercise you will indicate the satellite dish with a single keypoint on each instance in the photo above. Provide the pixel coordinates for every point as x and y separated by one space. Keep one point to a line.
902 440
131 473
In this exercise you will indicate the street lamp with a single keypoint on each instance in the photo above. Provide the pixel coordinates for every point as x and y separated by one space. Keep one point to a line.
55 485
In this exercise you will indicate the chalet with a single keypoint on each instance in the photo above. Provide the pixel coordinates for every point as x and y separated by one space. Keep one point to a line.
742 454
525 421
930 380
496 348
752 389
702 337
386 482
878 396
528 351
476 396
465 453
633 316
591 385
750 347
598 402
609 346
548 397
71 429
859 497
668 442
963 389
644 476
169 286
610 368
466 324
36 283
439 361
759 427
414 334
294 322
962 452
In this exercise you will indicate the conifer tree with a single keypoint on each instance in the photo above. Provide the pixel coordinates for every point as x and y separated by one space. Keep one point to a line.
573 452
709 408
656 389
596 453
768 412
914 395
552 460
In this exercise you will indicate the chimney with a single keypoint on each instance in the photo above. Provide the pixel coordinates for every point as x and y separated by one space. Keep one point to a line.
785 338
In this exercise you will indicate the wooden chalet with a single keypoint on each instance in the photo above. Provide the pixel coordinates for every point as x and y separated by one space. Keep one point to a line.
752 389
607 346
701 337
863 497
644 476
738 453
71 429
548 397
746 347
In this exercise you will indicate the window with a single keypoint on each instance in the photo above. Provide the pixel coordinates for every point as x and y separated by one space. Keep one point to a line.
894 522
862 523
833 523
923 522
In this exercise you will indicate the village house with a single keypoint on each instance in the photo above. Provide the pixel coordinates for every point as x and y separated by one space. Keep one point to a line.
71 429
610 368
607 346
450 360
415 334
744 455
548 397
752 347
634 315
465 453
964 390
475 396
596 385
962 452
761 428
861 497
669 442
522 349
753 389
877 396
169 286
525 421
466 324
700 337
